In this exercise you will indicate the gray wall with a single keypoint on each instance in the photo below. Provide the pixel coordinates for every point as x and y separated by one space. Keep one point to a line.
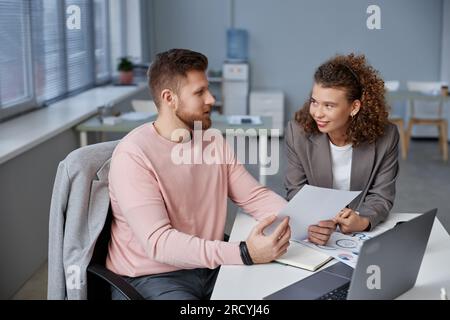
290 38
25 192
195 24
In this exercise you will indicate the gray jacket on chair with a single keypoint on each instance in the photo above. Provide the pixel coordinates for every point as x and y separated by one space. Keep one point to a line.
79 207
374 169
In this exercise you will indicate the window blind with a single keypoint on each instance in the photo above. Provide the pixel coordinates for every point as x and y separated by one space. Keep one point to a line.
102 42
15 55
41 59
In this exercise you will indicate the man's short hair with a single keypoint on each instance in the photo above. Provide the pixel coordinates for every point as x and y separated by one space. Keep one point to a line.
170 67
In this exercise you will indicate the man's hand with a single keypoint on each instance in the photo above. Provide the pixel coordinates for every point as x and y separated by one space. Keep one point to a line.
262 248
350 221
320 233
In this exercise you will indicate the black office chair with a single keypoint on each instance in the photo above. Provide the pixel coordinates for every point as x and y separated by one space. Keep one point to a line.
100 279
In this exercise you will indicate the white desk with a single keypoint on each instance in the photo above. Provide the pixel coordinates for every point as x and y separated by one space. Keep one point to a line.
257 281
257 133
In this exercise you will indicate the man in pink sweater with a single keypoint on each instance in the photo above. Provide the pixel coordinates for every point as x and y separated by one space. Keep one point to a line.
169 217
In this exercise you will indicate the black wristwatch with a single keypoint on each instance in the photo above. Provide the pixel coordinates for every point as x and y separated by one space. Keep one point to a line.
245 255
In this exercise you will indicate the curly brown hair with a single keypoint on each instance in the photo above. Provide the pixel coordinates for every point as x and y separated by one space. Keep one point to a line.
361 82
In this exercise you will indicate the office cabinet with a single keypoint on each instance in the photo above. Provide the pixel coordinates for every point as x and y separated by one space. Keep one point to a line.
269 103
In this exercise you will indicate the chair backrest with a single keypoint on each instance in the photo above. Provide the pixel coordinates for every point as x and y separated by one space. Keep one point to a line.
146 106
394 114
78 209
426 108
97 288
392 85
427 87
99 278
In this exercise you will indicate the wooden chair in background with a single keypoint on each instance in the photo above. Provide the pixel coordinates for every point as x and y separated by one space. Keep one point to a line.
397 119
428 111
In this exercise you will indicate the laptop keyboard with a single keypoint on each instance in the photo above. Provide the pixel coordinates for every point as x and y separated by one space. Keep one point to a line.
337 294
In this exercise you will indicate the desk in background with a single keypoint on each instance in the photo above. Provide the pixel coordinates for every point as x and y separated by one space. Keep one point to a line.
219 122
408 97
239 282
95 124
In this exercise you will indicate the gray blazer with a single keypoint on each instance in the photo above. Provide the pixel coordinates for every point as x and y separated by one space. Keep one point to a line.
374 169
78 210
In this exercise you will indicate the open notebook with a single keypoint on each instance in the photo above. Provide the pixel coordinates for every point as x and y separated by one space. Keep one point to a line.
301 256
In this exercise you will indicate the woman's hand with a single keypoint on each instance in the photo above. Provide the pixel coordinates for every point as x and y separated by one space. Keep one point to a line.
320 233
350 221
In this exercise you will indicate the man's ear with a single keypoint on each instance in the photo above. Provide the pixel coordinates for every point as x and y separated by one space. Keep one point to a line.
168 97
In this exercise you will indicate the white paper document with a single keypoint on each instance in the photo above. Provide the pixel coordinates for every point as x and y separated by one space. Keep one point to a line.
346 247
311 205
136 116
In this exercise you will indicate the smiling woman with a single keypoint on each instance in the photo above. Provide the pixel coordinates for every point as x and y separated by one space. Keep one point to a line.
342 139
354 93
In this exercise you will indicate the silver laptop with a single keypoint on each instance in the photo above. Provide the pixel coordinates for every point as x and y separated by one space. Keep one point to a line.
387 266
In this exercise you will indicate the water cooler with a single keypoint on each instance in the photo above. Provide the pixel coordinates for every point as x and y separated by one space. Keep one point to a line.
235 88
235 73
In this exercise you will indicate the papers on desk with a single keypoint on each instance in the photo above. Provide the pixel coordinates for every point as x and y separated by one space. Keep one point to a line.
238 120
129 116
311 205
111 120
301 256
346 247
136 116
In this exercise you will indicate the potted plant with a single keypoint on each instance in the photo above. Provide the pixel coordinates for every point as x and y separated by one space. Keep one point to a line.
125 69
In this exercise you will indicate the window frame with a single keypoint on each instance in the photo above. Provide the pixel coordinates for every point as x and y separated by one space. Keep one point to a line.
29 102
108 78
12 110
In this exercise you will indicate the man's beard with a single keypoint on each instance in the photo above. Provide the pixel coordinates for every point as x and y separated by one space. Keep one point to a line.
189 119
